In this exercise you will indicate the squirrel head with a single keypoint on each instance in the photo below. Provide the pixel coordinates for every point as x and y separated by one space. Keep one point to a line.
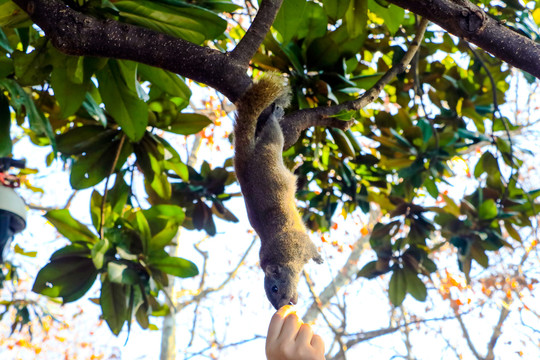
280 282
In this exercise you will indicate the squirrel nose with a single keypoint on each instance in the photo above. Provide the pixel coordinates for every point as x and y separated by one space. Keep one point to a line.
294 299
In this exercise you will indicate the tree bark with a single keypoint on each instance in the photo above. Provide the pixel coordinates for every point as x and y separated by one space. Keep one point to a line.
75 33
466 20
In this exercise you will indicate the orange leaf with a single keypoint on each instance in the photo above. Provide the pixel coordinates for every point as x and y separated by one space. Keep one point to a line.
364 231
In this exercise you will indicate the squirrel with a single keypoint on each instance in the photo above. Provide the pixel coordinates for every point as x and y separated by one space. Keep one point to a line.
269 189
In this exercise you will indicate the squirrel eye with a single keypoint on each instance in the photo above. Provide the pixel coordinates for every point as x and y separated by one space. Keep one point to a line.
274 288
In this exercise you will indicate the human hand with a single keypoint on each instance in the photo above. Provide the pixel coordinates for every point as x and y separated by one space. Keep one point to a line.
290 339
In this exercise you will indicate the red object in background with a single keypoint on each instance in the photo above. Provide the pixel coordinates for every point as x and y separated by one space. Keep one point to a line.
9 180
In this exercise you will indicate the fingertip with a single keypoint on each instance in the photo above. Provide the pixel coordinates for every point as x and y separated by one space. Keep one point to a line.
317 343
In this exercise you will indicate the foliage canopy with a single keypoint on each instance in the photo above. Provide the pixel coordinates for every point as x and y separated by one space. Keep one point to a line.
105 116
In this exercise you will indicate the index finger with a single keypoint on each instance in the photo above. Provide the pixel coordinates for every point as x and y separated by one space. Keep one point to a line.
277 322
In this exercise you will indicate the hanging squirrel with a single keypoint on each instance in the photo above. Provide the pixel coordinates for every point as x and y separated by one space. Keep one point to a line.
269 190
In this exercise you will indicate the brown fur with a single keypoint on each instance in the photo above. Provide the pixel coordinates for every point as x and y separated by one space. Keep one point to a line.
269 191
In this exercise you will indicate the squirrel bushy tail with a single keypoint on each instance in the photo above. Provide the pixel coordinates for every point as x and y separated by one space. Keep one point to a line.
266 90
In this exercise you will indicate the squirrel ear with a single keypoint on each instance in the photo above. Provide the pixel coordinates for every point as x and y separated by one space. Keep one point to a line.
272 269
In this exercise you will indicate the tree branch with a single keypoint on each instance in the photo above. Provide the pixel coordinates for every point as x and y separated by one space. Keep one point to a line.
368 335
293 124
468 21
466 333
505 311
344 277
75 33
248 46
201 293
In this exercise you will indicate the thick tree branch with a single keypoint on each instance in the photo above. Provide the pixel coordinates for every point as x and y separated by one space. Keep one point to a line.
75 33
468 21
293 124
248 46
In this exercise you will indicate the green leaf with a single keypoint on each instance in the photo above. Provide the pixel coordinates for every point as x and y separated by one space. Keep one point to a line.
223 213
11 15
479 255
141 315
113 303
164 237
392 15
323 52
202 218
130 112
91 168
4 44
98 252
431 188
144 229
167 81
187 124
67 277
128 70
314 22
160 184
343 142
415 286
427 131
369 271
6 67
116 200
5 125
288 18
69 227
174 266
178 167
512 231
451 206
68 94
77 249
159 215
487 210
336 9
94 109
193 24
19 99
122 274
85 139
164 221
398 287
32 68
356 18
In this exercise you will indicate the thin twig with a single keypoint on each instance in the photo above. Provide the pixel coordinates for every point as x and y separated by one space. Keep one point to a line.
221 347
70 199
499 116
204 254
294 123
201 294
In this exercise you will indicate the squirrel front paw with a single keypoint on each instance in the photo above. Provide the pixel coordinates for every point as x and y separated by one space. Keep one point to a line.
318 259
